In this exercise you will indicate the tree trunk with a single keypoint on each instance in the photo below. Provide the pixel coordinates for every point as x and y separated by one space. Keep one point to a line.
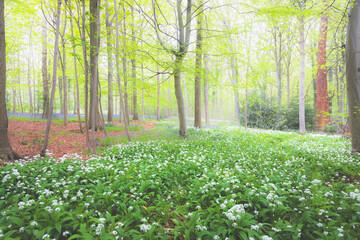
110 66
133 64
6 151
61 94
94 54
206 90
198 70
353 74
278 59
288 78
122 105
56 49
124 61
86 63
158 95
169 102
28 76
322 98
135 113
76 74
179 97
64 79
44 72
302 128
341 92
143 94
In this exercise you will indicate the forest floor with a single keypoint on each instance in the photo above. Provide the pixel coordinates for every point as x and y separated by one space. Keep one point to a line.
27 137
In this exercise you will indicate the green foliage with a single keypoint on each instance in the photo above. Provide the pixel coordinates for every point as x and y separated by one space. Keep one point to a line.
215 184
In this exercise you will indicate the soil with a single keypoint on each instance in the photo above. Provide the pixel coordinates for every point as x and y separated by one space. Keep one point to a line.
27 138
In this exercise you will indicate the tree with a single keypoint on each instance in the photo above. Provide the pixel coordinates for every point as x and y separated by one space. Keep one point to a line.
44 72
302 128
110 64
94 55
353 74
322 98
56 50
198 69
117 61
6 151
183 40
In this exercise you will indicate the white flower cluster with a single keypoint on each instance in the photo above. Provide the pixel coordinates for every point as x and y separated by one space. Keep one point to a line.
234 212
145 227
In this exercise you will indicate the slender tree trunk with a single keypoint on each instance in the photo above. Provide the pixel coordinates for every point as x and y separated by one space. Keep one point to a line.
110 65
60 79
288 78
158 95
133 64
206 90
76 74
353 74
124 61
122 105
322 97
65 106
169 102
179 97
302 78
198 70
143 94
94 54
28 76
6 151
341 87
86 63
330 93
56 49
278 59
44 72
186 107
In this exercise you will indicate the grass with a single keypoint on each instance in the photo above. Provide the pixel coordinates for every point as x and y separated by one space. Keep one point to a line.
215 184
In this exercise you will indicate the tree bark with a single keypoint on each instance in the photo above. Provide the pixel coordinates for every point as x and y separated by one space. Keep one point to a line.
302 128
133 64
322 97
124 61
44 72
183 41
64 79
6 151
143 94
76 74
353 74
179 97
122 105
94 54
28 75
198 70
86 63
158 95
110 66
56 49
206 90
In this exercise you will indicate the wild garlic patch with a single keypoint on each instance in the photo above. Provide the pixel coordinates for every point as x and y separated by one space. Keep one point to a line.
216 184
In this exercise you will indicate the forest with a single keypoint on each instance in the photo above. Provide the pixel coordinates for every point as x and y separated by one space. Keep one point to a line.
179 119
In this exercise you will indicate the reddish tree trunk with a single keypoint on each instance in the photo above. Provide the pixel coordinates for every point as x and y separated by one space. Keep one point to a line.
322 98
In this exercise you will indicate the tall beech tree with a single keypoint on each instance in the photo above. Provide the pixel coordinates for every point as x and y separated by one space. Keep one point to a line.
6 151
56 51
198 68
353 73
182 39
322 97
